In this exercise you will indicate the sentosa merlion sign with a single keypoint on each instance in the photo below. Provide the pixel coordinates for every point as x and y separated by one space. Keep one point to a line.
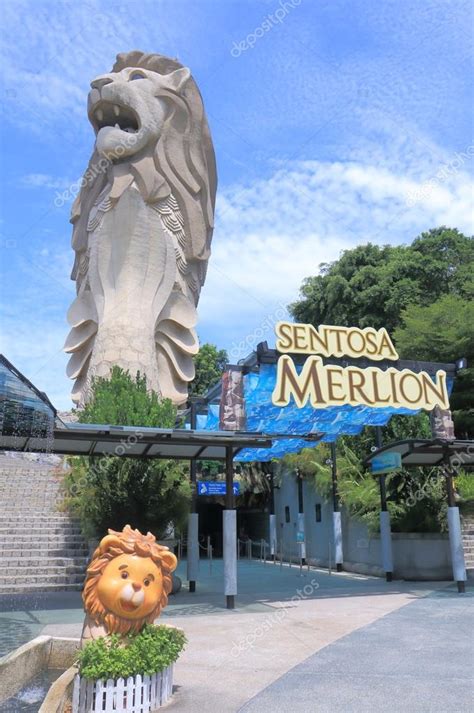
143 224
325 385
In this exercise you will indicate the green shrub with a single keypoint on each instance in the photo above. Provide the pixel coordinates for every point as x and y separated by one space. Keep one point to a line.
113 491
464 483
148 652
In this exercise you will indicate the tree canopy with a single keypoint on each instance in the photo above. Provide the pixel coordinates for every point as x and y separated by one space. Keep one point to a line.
442 331
210 363
371 285
422 293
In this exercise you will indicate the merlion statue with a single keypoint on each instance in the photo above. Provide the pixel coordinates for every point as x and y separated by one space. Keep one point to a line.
143 224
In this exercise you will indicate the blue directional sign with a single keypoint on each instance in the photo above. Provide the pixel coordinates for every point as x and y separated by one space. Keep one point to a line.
386 463
215 487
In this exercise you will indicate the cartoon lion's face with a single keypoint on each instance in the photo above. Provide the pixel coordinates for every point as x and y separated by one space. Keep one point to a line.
127 109
130 586
128 580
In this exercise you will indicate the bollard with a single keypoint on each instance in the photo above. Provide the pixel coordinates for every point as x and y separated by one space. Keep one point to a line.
281 559
329 558
238 549
210 559
249 549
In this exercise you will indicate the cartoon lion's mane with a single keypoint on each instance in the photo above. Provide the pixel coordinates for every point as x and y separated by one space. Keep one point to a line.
130 542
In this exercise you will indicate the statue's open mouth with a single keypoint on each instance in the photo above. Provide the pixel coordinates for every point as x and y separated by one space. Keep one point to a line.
130 606
106 113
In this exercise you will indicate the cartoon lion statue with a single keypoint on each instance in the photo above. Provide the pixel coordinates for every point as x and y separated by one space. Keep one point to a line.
127 583
142 228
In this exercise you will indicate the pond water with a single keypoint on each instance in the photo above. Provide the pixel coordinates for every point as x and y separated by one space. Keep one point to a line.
31 696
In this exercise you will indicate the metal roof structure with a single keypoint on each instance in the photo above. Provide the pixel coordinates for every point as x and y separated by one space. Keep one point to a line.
416 452
136 442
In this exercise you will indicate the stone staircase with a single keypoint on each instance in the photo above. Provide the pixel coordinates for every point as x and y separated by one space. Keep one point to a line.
467 525
41 549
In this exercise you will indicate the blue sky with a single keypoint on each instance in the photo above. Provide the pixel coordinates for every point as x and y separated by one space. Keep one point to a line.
339 123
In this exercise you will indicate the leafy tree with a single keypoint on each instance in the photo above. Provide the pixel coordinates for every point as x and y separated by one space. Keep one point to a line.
115 491
370 286
125 401
210 362
437 332
442 331
422 293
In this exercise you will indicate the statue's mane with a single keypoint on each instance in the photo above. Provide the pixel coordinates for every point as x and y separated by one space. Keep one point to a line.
130 542
183 156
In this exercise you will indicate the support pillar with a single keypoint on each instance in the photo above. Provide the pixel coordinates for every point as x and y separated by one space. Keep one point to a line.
455 538
272 531
192 552
300 519
336 515
230 533
385 527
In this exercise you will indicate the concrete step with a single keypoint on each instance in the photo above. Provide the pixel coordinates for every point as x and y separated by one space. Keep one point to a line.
25 537
22 549
50 552
46 571
33 530
21 588
40 578
43 561
36 518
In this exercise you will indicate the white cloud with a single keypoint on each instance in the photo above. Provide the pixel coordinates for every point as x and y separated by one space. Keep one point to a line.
44 180
271 234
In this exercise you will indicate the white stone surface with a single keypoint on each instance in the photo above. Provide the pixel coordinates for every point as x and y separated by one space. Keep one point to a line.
143 224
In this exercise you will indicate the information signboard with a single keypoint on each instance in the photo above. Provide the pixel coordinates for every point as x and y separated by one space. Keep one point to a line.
215 487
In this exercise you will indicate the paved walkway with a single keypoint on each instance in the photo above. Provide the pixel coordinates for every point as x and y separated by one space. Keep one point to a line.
418 659
285 620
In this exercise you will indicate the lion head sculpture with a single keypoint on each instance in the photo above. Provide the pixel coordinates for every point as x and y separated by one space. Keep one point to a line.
152 176
128 581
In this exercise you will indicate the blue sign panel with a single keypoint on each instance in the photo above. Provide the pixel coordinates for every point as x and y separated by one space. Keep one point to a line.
215 487
386 462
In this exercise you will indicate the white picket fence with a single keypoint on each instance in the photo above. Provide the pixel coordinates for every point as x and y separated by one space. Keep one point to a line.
139 694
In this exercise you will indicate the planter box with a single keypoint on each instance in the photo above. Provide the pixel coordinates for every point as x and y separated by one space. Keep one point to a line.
139 694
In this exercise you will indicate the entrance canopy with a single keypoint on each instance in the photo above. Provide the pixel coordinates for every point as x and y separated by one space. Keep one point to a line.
421 452
29 423
128 441
248 391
